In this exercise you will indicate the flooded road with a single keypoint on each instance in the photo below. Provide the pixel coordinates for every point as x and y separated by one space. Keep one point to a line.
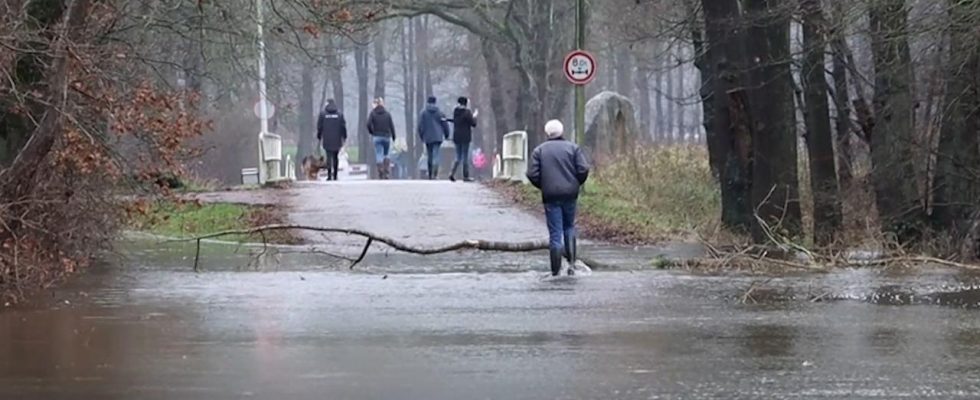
472 325
147 327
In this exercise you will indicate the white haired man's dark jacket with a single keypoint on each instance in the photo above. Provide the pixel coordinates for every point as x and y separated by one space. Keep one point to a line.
559 169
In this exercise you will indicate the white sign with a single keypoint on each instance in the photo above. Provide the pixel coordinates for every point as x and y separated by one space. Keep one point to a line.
580 67
271 109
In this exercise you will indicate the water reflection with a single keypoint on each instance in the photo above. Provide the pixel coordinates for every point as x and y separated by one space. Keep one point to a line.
886 341
769 347
154 330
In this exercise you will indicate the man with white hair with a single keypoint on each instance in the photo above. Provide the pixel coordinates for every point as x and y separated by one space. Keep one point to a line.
559 169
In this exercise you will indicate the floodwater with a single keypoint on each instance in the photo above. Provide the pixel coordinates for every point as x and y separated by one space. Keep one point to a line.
479 326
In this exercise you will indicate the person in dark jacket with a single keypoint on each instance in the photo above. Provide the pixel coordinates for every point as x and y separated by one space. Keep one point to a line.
382 129
433 129
464 121
559 169
331 131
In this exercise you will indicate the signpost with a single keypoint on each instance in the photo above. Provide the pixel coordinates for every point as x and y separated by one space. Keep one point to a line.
580 19
270 110
580 67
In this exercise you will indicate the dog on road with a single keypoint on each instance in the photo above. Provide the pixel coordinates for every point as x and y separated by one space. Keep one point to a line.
312 166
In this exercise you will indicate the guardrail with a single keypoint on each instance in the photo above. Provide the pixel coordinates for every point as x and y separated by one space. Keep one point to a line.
270 157
513 161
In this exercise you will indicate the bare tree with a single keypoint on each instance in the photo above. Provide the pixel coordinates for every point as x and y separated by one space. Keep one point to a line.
819 139
957 178
732 140
892 138
775 184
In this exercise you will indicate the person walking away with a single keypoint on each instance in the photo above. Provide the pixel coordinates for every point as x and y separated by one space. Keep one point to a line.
331 131
559 169
464 121
382 129
433 130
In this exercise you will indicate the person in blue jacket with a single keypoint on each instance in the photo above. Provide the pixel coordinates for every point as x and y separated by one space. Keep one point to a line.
433 129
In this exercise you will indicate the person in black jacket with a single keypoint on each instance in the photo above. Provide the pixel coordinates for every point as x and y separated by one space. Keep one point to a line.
559 168
331 131
382 129
464 121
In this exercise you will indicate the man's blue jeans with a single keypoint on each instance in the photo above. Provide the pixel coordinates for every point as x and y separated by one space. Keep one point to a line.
432 153
561 223
382 145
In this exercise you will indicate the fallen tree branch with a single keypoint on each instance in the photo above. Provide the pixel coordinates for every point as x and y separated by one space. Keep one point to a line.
915 260
482 245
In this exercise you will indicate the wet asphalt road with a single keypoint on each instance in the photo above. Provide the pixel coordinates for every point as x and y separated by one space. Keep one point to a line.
480 326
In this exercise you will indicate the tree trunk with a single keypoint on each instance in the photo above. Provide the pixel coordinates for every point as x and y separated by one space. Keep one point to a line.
363 140
336 60
842 104
473 80
659 117
498 92
421 66
671 108
703 60
775 184
681 124
958 159
624 71
819 138
643 100
892 139
730 126
20 179
379 66
305 138
408 86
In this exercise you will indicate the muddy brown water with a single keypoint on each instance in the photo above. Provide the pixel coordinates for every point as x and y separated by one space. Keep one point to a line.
479 326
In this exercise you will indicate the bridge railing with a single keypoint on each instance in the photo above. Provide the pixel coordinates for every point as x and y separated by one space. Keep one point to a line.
270 157
514 157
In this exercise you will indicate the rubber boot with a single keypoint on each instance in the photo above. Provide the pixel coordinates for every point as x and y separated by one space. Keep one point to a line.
452 175
435 173
571 248
386 169
555 262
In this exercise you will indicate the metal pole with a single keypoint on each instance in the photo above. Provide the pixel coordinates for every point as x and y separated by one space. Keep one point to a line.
263 104
580 89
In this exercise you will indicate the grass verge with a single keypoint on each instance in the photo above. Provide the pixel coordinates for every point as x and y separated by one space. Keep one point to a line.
650 196
184 219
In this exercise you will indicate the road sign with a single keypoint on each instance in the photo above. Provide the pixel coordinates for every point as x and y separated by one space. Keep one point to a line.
271 109
580 67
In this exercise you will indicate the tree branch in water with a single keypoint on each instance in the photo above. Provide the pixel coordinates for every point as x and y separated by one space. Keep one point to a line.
483 245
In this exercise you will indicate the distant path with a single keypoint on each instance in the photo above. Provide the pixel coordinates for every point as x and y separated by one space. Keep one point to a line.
417 212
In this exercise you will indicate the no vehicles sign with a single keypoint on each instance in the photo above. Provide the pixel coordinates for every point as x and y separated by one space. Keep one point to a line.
580 67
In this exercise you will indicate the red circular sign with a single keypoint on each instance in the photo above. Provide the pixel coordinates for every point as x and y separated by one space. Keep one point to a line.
580 67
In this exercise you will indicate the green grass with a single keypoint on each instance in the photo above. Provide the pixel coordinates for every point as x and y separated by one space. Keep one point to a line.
187 220
651 195
668 190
